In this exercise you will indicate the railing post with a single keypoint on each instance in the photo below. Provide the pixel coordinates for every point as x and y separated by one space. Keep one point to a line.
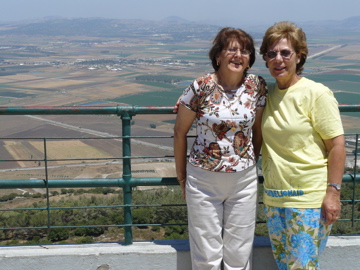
127 190
47 186
354 177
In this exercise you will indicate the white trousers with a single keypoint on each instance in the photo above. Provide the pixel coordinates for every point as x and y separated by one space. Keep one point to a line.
222 218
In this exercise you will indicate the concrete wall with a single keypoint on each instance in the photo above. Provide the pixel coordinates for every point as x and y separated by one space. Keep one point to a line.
342 253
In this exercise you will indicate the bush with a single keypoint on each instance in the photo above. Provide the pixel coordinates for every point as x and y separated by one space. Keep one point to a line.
98 216
85 239
54 193
141 216
38 241
8 197
117 217
89 231
155 228
12 242
107 190
58 234
176 231
80 191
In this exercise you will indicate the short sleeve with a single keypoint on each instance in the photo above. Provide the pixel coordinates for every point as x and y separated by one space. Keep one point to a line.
326 116
190 98
262 93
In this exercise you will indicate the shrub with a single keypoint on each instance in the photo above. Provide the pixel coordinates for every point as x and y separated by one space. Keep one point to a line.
54 193
58 234
155 228
89 231
8 197
141 216
12 242
176 231
85 239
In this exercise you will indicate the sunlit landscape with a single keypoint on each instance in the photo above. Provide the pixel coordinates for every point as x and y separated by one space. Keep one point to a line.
73 63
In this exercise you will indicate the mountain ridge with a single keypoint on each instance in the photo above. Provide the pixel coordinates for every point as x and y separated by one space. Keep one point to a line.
104 27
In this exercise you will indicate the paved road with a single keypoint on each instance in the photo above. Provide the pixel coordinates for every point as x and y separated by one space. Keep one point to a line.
325 51
97 133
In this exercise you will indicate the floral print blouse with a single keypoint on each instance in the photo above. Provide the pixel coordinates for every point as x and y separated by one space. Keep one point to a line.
224 122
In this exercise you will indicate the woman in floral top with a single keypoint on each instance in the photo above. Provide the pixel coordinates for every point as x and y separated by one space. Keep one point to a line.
220 178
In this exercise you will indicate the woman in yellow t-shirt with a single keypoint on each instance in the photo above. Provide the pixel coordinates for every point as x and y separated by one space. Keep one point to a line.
303 153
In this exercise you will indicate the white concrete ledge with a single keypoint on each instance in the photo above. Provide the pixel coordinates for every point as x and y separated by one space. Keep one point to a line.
341 253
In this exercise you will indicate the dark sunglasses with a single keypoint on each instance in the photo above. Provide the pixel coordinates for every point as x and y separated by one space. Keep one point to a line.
283 53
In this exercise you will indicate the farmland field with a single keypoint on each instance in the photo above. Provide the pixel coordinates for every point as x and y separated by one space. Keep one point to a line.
80 70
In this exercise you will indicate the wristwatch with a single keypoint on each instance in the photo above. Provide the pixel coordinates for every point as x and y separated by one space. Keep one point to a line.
337 186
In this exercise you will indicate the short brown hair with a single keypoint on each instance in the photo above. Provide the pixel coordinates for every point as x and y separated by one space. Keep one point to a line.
224 38
295 35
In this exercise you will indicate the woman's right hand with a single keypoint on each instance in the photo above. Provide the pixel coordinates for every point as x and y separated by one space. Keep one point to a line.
184 120
176 107
182 185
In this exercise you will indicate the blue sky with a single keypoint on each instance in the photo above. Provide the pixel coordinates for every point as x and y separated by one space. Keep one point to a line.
231 12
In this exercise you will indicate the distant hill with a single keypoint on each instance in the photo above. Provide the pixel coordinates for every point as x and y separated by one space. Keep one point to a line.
175 27
349 26
175 19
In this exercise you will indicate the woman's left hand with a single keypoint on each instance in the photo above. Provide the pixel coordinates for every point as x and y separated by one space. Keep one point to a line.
331 206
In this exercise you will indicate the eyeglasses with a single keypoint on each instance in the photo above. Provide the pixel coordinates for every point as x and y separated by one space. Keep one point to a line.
283 53
243 52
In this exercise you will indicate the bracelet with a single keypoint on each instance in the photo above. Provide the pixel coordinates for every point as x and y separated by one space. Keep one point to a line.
182 180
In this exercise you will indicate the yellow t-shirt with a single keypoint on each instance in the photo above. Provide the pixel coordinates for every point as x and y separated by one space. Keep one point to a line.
294 157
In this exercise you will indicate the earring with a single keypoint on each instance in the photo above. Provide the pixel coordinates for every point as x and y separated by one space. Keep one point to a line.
217 63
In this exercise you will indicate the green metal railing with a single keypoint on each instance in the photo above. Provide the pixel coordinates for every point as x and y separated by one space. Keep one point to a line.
127 182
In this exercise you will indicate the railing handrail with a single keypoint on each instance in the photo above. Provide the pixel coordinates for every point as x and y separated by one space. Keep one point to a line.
118 110
127 182
76 110
112 182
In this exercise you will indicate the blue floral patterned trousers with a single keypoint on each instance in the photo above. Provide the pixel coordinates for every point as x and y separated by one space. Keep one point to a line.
298 236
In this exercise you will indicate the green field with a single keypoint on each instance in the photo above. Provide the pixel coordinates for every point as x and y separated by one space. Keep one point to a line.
347 83
153 98
347 67
344 86
322 78
129 74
